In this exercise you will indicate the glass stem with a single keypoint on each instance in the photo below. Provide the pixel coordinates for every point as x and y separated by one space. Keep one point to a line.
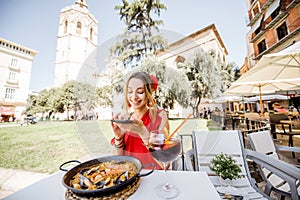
166 187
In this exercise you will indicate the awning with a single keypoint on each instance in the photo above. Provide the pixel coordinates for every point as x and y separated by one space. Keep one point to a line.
272 8
7 110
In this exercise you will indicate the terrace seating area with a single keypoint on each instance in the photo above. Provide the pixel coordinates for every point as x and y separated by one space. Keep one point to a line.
279 177
271 146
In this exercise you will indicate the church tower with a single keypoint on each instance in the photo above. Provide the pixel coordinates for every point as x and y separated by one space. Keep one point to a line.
76 40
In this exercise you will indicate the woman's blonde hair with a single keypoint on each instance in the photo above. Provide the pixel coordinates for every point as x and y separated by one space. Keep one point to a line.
148 88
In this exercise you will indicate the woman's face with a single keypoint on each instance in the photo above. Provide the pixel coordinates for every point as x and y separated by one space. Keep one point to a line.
136 93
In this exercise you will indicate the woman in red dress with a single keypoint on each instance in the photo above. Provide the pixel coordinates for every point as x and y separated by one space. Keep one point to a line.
132 139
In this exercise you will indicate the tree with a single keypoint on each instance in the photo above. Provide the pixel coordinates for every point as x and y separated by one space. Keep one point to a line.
31 104
104 95
207 76
77 96
46 101
138 40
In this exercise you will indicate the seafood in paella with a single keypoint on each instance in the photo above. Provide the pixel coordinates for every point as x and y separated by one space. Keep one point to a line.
103 175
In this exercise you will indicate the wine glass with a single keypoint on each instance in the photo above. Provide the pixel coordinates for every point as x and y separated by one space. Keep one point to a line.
165 151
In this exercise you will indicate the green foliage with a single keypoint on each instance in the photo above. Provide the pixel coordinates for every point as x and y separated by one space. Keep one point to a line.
47 100
139 40
208 77
78 96
72 95
236 73
225 166
104 95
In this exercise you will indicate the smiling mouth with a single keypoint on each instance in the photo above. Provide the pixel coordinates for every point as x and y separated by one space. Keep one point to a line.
136 102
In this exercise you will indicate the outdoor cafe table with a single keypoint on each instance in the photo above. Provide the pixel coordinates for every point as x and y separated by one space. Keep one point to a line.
192 185
290 123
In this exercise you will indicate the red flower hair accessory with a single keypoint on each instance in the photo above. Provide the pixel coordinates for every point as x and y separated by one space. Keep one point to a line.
154 82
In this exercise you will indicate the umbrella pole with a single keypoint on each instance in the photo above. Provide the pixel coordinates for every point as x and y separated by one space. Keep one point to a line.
243 102
260 101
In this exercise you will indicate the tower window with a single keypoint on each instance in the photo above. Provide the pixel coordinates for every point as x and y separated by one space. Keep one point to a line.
78 28
66 27
91 34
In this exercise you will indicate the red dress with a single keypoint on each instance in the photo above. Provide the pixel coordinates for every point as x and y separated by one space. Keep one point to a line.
134 145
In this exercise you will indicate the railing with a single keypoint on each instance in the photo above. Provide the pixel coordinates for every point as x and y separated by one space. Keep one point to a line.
237 123
245 125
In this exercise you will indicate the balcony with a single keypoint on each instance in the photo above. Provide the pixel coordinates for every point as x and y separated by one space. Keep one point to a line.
267 4
12 82
258 36
277 19
253 2
255 18
14 68
293 4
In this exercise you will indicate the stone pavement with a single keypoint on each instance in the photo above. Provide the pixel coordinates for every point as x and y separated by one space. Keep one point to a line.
14 180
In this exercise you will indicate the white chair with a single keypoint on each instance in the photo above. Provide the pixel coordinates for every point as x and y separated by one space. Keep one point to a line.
208 144
262 142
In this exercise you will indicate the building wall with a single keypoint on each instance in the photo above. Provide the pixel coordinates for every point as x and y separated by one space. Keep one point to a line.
15 71
207 39
265 17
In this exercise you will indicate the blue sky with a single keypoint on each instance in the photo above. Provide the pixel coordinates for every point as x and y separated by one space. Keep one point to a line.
34 24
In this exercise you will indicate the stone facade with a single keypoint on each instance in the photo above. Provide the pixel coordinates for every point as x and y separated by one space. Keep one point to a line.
15 71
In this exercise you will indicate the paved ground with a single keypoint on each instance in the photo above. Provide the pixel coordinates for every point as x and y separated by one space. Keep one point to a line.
14 180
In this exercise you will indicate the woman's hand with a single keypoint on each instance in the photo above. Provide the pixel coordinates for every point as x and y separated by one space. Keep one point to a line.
136 126
116 129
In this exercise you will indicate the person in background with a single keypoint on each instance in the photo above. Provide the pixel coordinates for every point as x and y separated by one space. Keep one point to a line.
140 106
278 108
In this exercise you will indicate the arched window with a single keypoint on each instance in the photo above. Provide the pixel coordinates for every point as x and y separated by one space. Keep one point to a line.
66 27
91 34
78 28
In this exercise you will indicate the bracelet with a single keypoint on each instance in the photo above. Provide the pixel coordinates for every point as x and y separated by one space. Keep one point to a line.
121 143
119 139
119 146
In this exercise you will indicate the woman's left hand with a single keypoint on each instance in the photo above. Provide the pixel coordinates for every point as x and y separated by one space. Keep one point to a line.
135 127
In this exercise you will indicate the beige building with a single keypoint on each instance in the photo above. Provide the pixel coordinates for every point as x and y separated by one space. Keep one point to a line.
207 38
76 42
15 71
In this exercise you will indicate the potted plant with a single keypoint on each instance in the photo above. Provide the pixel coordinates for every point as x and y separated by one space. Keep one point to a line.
226 168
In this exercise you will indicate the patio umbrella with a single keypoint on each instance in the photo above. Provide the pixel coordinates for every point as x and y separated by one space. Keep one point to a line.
273 72
227 98
269 97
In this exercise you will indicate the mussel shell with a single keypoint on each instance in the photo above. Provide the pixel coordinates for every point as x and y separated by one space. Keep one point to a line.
122 177
84 182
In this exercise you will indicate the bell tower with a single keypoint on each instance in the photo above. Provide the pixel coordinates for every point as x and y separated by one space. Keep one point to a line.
76 40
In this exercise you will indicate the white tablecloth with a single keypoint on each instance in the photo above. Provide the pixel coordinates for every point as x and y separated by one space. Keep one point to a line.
192 185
